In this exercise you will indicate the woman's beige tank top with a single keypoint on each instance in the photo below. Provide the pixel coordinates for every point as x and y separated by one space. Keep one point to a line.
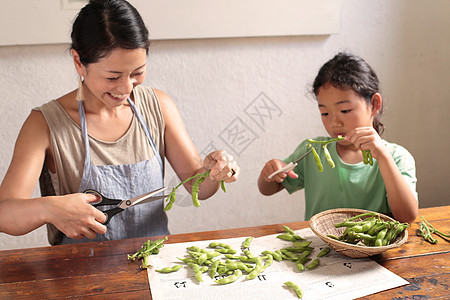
68 147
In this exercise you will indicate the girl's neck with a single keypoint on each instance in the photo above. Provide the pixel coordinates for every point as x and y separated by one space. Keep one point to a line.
349 154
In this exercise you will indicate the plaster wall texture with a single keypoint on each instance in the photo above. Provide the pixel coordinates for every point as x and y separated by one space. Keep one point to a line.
219 85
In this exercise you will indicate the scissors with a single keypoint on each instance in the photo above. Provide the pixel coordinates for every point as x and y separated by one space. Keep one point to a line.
290 166
123 204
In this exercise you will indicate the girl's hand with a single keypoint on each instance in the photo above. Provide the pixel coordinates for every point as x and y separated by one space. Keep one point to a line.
366 138
74 216
272 166
222 165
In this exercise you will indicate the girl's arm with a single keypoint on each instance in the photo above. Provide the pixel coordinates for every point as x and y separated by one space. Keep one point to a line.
184 158
401 199
20 214
403 204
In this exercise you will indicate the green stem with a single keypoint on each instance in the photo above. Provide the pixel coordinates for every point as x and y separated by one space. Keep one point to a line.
339 138
204 174
434 229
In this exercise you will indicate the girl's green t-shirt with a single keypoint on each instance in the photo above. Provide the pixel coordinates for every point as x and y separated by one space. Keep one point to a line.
347 185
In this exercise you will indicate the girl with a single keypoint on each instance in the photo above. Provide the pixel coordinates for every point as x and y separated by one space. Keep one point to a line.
347 92
111 135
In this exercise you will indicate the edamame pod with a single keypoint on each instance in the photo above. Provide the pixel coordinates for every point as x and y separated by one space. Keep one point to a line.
288 230
222 185
170 269
328 156
317 159
287 237
213 268
295 287
275 255
217 244
365 157
231 278
258 268
171 200
324 252
246 243
300 265
313 264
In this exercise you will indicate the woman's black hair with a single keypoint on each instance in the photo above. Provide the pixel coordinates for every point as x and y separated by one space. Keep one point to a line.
348 71
105 25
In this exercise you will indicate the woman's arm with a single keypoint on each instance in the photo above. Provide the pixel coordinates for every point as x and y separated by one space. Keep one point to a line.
20 214
184 158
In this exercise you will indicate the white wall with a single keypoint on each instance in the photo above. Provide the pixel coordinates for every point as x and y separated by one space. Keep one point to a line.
213 81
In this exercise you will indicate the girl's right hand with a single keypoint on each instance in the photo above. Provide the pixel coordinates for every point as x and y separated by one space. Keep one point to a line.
272 166
74 216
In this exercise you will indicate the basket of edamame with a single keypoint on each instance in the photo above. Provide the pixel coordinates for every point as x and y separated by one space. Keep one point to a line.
358 232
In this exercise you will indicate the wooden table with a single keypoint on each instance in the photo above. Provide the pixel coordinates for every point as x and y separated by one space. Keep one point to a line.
102 271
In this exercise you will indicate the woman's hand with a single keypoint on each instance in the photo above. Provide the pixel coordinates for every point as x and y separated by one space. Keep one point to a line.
74 216
222 165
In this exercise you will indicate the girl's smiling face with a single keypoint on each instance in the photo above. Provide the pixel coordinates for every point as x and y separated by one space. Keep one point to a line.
343 110
112 79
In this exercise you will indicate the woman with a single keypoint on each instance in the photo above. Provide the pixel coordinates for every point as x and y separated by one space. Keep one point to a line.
111 135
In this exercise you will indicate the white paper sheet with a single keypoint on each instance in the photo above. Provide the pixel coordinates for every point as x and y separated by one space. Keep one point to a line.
337 276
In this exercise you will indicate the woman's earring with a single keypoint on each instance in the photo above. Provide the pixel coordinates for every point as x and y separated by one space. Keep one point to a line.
80 95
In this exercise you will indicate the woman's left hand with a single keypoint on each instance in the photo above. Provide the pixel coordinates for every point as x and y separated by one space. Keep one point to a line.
222 165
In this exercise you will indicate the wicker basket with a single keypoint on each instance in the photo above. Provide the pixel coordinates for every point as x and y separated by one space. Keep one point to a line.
322 224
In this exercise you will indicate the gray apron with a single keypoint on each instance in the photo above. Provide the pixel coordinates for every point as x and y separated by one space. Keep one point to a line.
125 182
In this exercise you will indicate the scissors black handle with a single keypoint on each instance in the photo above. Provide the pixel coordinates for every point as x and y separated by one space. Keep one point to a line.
105 201
110 213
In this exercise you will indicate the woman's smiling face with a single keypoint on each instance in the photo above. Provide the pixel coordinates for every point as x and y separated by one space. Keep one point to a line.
112 79
342 110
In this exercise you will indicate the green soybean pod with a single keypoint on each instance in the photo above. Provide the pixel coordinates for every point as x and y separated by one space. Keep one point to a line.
195 190
328 156
222 185
171 200
301 244
287 237
289 254
170 269
232 278
226 251
295 287
218 244
370 157
303 259
380 237
268 262
324 252
313 264
275 255
202 258
246 243
300 265
213 268
317 159
256 270
288 230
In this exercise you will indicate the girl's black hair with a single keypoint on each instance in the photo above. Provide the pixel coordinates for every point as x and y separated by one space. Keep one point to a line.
348 71
105 25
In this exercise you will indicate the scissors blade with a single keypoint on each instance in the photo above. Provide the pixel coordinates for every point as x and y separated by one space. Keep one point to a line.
289 166
145 197
296 161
